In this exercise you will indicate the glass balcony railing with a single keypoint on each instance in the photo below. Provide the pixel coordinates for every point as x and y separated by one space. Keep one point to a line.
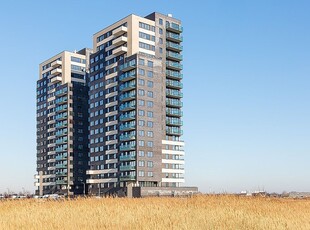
174 56
174 65
127 147
127 126
61 174
128 86
127 137
128 116
174 27
61 182
174 46
174 131
174 112
174 93
174 37
127 168
174 84
61 157
61 166
174 122
128 106
127 178
128 66
61 141
174 103
174 74
128 76
61 124
61 116
127 158
128 96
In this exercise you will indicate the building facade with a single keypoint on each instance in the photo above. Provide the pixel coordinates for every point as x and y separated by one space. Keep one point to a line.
124 126
135 105
62 124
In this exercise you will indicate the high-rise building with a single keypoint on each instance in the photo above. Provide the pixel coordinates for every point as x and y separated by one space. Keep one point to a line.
135 104
62 124
118 123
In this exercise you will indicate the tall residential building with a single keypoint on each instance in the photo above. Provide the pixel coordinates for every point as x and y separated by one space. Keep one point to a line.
110 120
135 105
62 124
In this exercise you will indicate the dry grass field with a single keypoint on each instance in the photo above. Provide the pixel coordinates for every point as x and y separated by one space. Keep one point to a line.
199 212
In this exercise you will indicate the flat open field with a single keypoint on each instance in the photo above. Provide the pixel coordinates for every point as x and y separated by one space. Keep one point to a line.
198 212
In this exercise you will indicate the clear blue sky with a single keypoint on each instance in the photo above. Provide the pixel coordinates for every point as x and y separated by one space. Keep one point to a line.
246 85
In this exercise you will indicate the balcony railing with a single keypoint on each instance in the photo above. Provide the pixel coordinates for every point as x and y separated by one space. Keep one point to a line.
174 27
128 86
128 76
174 46
174 103
127 168
128 106
174 84
174 56
128 96
127 178
174 74
127 137
174 37
174 122
174 112
61 166
127 158
174 65
174 131
174 93
127 126
127 147
127 116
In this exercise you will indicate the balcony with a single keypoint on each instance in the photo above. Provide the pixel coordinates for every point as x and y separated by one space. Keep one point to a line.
128 86
61 117
128 76
58 150
61 174
56 63
174 74
61 182
174 131
174 37
127 106
174 56
127 168
62 141
127 178
174 46
174 93
56 71
127 147
61 157
120 50
127 137
127 117
128 96
174 65
174 27
128 66
174 122
61 133
127 158
174 84
174 103
127 126
119 41
56 79
174 112
61 166
119 31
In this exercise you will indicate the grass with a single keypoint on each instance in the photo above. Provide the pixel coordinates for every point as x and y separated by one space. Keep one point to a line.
198 212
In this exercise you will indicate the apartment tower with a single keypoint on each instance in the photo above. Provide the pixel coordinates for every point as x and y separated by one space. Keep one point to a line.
62 124
135 107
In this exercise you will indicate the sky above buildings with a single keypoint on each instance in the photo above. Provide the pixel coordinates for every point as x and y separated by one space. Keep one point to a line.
246 85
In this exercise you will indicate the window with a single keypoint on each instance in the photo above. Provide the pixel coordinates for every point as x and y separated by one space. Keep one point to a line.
141 102
141 163
141 153
150 84
141 61
141 112
141 81
160 21
150 174
160 50
146 46
141 92
149 124
141 143
160 31
150 104
141 122
150 164
141 133
141 173
150 134
149 63
150 154
150 114
141 72
150 94
146 26
146 36
150 144
150 73
160 41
